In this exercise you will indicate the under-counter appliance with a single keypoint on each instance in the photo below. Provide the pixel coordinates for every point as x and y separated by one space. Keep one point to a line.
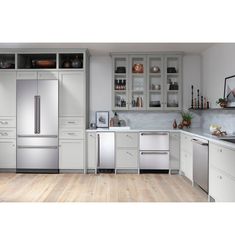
106 156
154 150
200 163
37 126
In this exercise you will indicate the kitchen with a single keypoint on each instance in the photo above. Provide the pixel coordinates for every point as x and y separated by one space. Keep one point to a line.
128 113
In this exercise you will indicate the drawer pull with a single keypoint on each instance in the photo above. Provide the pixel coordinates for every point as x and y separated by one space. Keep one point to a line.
129 153
71 133
71 122
128 136
219 177
4 134
4 122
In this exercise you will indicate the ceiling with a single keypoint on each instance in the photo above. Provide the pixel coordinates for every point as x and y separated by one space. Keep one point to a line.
106 48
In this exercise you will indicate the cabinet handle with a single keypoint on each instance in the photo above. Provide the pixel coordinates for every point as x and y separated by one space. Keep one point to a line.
128 136
71 122
220 150
71 133
129 153
4 122
4 133
220 177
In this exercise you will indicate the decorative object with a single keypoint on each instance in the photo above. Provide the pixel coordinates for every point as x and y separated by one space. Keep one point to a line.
171 70
174 124
120 69
198 102
214 127
76 63
229 91
44 63
180 126
222 102
92 126
192 98
102 119
67 64
187 119
138 68
155 69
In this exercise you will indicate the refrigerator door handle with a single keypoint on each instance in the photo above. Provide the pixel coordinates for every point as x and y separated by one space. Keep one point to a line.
37 114
98 146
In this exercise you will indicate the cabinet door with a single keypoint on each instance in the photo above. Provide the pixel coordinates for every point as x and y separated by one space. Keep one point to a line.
173 81
72 94
71 154
91 151
174 151
7 154
126 158
8 94
186 164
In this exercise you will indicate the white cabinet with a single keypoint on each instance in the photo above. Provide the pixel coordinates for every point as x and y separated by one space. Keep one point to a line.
71 155
221 173
72 94
91 151
174 151
7 154
8 94
127 148
24 75
44 75
186 156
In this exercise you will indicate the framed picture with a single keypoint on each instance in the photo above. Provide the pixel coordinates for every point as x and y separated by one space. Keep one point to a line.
102 119
229 90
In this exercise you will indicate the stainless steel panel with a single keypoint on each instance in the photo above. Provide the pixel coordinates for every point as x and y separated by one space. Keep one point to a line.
37 141
154 160
48 92
26 90
106 150
37 158
200 163
152 141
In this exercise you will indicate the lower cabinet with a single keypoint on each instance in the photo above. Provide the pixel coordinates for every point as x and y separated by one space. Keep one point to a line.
7 154
174 151
127 158
91 151
186 156
71 155
221 173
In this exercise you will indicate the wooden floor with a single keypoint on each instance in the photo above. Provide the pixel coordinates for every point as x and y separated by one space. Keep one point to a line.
97 188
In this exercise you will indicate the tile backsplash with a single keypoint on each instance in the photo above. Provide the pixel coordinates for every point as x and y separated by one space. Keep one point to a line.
226 119
153 120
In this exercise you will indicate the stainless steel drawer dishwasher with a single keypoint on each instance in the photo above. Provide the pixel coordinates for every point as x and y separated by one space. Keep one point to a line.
154 150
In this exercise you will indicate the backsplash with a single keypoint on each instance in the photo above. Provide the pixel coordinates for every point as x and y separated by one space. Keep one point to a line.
152 120
225 118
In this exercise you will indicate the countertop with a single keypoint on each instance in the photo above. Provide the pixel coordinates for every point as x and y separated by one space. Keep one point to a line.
196 132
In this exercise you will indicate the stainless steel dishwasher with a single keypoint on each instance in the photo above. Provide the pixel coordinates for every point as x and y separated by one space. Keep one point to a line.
200 163
154 150
106 156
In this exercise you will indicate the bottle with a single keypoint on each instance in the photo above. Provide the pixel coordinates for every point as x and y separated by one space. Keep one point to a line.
174 124
115 119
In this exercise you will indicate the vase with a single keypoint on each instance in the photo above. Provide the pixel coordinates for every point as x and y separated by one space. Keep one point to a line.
174 124
186 123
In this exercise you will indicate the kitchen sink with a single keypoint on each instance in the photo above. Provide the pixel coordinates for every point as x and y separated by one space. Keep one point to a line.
228 139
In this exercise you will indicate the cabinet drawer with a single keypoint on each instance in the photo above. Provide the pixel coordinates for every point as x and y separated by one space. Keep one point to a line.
26 75
126 158
222 158
154 160
186 143
72 122
7 154
71 134
47 75
7 122
7 133
221 187
127 140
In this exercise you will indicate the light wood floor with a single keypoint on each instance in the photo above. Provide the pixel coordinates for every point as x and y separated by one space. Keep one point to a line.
97 188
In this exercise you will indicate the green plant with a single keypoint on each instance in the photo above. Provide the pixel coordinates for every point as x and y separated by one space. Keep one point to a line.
221 100
186 116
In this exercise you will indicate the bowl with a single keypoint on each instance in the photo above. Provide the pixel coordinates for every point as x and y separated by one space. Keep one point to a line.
45 64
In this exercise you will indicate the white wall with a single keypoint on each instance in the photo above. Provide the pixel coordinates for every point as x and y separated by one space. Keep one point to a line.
191 76
218 62
100 87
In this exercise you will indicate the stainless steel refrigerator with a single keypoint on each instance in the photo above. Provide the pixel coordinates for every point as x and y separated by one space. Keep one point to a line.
37 126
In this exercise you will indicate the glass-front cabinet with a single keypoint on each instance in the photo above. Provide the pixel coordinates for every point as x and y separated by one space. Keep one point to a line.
155 82
120 85
137 91
173 82
147 82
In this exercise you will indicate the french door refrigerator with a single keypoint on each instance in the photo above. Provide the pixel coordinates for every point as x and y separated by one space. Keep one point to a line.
37 126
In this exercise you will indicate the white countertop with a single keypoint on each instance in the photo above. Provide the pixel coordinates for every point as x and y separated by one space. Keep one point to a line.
197 132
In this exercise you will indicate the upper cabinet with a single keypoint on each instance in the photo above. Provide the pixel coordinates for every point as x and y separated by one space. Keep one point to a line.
147 82
7 61
71 61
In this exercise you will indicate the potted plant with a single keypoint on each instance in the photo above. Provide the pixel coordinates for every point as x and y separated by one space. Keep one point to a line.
187 119
222 102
